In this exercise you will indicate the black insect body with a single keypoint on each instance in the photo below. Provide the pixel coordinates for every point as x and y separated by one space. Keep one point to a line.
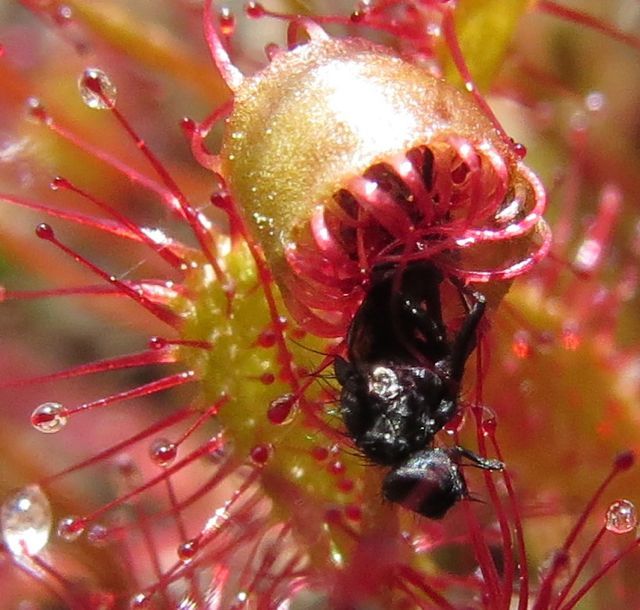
401 383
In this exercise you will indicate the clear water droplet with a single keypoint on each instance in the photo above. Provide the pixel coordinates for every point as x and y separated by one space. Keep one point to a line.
163 452
140 600
37 112
157 343
63 15
26 521
621 517
220 449
489 426
97 89
280 408
520 150
70 528
98 535
49 417
254 10
624 460
188 550
260 454
456 423
226 21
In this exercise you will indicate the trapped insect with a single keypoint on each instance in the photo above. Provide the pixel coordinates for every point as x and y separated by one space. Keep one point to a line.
361 172
401 384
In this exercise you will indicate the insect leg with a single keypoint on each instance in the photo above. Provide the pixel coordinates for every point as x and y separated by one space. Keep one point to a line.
458 452
465 341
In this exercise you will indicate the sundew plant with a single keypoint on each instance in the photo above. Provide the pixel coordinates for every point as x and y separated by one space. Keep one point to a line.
186 234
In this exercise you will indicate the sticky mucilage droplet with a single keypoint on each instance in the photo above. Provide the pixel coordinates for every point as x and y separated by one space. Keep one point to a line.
25 521
97 89
621 517
49 417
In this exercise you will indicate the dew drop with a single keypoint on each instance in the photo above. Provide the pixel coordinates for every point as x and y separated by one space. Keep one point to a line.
26 521
254 10
63 15
489 426
187 550
621 517
189 126
140 600
520 150
280 408
271 51
226 21
70 528
163 452
320 453
59 183
157 343
98 535
97 89
336 467
44 231
260 454
267 378
36 111
49 417
455 424
624 460
220 449
267 338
